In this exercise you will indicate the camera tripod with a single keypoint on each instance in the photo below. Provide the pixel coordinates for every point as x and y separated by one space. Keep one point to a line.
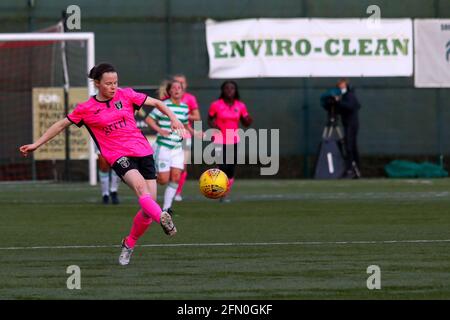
330 157
331 127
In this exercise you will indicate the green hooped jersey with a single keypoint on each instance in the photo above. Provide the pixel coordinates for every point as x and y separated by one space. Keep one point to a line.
181 111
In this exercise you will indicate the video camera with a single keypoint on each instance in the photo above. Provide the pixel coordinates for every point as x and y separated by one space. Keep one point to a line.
329 101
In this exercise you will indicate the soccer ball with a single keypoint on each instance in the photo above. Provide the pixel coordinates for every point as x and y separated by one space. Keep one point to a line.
213 183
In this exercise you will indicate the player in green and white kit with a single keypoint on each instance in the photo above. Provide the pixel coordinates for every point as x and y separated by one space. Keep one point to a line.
169 154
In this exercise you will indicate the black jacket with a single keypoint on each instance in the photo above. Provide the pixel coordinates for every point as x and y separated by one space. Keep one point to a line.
347 108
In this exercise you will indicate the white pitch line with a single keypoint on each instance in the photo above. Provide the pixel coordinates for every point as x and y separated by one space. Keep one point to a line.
235 244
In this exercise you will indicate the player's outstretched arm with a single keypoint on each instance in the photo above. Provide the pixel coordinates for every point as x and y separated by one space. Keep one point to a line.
51 132
176 124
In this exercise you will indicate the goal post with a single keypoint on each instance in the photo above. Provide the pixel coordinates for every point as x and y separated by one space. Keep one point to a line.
12 74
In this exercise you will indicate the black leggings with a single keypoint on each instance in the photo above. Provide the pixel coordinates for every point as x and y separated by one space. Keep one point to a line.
230 166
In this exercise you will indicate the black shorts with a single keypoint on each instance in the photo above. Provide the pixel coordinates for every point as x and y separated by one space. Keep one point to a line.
145 165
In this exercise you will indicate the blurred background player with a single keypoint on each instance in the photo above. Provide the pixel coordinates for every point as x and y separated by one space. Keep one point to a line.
109 115
225 114
169 154
194 115
109 181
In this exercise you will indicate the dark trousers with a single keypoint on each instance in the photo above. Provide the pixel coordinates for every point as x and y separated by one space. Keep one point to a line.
227 165
351 145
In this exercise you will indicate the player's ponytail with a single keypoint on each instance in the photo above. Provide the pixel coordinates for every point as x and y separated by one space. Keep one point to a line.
97 72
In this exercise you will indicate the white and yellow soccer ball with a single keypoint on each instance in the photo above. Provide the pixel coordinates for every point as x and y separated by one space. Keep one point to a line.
213 183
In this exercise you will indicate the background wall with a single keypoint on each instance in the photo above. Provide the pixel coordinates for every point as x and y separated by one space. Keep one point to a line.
149 40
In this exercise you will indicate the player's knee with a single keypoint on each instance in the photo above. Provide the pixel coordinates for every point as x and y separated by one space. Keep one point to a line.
162 179
175 177
104 169
141 189
103 166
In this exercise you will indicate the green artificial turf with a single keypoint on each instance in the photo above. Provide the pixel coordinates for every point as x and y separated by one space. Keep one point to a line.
276 239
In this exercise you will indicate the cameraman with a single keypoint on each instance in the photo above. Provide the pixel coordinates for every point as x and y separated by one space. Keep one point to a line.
347 106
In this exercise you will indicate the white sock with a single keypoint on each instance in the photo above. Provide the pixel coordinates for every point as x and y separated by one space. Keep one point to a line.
169 194
115 180
104 182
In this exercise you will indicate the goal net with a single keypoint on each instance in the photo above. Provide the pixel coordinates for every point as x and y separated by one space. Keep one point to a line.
43 76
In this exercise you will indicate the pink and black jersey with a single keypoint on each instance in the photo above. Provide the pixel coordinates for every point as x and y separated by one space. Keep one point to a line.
112 124
227 119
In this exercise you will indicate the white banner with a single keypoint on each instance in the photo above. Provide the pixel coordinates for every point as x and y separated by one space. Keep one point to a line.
432 53
309 48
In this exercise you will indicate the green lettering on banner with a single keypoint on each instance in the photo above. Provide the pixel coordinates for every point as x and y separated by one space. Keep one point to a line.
402 47
382 46
269 51
238 47
363 47
328 49
255 48
303 47
218 49
284 45
347 52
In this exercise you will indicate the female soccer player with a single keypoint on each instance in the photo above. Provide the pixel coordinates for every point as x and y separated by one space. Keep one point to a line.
169 154
194 115
109 118
225 115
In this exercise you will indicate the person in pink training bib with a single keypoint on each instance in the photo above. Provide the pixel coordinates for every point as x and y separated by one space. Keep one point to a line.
194 115
109 118
225 114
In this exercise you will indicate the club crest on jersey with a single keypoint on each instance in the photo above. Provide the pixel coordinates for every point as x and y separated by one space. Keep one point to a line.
118 105
124 162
